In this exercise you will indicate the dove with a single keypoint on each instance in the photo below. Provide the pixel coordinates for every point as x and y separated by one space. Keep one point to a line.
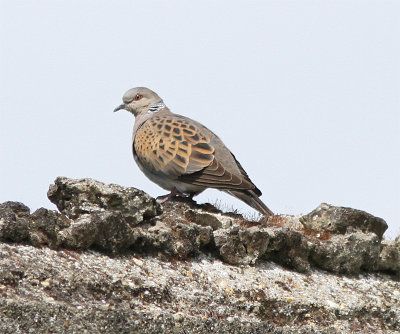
183 156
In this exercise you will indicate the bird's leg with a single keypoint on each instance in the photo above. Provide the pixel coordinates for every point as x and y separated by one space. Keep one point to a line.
174 192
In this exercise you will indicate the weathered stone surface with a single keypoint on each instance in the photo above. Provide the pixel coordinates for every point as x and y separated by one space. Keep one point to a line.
289 248
232 249
14 222
116 220
175 240
77 197
348 254
187 267
44 290
203 219
240 245
389 258
106 231
341 220
45 226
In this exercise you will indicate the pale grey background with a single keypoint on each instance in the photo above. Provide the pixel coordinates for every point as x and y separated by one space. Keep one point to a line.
306 94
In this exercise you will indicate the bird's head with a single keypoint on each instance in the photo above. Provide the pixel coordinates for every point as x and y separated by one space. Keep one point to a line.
138 100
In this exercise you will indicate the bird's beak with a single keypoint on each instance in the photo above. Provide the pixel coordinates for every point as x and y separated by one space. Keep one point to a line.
122 106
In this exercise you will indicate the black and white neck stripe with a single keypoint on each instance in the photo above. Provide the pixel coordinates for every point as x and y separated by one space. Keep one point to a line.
156 107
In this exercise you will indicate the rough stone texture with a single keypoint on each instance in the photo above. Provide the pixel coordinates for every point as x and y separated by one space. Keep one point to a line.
116 220
45 227
107 231
389 257
348 253
76 197
14 222
48 291
341 220
183 267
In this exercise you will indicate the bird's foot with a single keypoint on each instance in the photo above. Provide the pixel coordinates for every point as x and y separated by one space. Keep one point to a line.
174 192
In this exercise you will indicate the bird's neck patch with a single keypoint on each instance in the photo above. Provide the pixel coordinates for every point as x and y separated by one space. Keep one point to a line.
156 107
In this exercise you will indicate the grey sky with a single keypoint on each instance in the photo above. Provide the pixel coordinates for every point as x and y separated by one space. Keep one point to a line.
306 94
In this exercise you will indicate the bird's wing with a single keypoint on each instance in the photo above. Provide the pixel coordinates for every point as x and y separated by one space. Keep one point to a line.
217 176
177 147
244 174
173 146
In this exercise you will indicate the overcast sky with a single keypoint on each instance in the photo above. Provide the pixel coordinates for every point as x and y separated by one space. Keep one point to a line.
304 93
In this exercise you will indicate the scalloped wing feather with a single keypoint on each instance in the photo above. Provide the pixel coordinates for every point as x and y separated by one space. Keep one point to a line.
172 145
178 148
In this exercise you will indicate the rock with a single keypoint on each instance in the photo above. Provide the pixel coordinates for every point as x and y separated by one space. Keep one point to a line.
389 257
185 267
14 222
203 219
172 240
348 254
249 245
45 226
334 219
18 208
116 220
106 231
64 291
231 248
77 197
289 248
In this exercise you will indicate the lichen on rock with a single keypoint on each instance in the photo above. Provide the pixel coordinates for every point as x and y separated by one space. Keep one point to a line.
135 265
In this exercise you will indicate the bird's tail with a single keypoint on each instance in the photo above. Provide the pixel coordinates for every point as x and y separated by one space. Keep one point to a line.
250 198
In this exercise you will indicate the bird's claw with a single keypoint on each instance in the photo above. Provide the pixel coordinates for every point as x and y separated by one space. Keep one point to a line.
174 192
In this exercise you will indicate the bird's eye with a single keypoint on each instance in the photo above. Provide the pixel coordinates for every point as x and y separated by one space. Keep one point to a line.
138 97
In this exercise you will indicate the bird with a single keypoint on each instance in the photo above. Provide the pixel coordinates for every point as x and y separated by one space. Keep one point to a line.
183 156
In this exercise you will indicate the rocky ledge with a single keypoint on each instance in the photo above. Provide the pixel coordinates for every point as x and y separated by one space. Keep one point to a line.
113 260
